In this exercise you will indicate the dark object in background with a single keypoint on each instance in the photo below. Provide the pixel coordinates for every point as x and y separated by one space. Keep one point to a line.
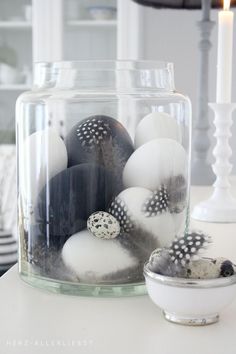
8 251
178 4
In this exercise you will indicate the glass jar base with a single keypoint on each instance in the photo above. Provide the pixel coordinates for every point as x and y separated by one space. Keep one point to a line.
191 320
77 289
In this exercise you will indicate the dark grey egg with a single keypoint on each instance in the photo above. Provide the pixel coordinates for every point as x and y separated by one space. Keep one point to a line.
226 269
99 139
64 205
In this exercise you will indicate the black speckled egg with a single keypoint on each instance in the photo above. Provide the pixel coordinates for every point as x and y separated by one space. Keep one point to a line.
99 139
72 196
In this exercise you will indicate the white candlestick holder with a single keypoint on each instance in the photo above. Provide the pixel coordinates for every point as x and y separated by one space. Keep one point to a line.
221 206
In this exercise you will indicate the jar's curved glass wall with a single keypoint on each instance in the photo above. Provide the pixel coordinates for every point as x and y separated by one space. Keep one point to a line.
103 173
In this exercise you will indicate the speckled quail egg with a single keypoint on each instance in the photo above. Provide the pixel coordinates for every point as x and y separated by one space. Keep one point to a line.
204 268
209 268
103 225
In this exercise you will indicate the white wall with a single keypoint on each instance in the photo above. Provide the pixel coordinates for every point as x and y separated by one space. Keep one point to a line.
172 35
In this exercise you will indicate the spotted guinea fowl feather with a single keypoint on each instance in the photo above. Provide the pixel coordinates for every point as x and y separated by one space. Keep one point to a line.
183 249
157 203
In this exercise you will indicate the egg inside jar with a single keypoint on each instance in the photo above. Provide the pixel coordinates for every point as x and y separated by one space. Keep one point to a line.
103 182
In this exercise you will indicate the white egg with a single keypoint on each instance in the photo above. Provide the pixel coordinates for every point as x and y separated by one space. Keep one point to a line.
157 125
43 155
154 163
161 226
92 258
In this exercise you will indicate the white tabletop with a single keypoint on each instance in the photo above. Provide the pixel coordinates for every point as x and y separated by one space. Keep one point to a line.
34 321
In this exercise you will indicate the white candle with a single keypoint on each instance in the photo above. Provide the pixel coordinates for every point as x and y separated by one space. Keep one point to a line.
224 58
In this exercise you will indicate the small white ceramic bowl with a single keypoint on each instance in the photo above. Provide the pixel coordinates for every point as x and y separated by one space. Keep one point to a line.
189 301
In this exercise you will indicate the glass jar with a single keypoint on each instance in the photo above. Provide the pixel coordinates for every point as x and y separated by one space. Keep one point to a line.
103 173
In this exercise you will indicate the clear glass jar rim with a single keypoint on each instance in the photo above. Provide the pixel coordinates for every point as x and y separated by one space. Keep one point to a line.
108 75
108 65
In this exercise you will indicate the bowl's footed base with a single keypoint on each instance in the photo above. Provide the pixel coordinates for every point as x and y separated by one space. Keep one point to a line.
78 289
191 320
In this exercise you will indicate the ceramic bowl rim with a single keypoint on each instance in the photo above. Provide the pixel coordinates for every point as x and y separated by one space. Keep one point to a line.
188 283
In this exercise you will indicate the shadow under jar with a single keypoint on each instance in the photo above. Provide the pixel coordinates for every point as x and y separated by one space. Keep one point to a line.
103 173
